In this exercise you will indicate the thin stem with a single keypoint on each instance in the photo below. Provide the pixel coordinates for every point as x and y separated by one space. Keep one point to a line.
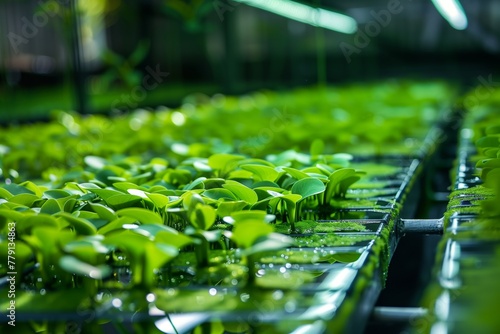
171 323
202 250
251 270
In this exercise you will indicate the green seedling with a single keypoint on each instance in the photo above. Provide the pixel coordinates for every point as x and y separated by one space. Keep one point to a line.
86 259
261 172
123 69
254 235
491 207
338 183
286 204
144 254
488 142
227 208
307 188
46 243
201 218
223 164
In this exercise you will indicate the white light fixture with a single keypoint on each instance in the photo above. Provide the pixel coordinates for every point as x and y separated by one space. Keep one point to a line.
453 12
317 17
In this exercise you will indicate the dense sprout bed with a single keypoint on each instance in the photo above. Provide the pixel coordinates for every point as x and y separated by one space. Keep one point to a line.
208 206
467 265
383 118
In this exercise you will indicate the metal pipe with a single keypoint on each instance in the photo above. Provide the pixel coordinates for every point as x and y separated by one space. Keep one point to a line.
386 313
423 226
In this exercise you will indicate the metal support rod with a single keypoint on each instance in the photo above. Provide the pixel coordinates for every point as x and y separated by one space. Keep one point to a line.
79 75
385 313
423 226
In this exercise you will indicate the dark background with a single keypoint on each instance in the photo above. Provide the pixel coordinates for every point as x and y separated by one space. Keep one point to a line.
213 46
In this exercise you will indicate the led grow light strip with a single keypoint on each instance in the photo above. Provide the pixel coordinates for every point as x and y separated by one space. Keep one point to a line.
317 17
453 12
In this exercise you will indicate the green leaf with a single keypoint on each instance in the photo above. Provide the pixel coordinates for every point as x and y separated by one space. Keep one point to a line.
261 173
175 239
255 161
265 185
24 199
333 186
80 225
346 183
103 212
291 200
47 241
118 202
86 186
27 223
345 257
177 176
488 163
32 187
151 230
104 194
160 201
67 204
199 183
317 147
224 161
16 189
295 173
85 214
88 249
125 186
139 193
11 215
493 130
213 183
130 242
247 232
139 53
246 215
270 242
488 141
5 194
56 194
325 169
241 192
294 198
263 194
203 217
73 265
308 187
239 175
137 251
219 193
142 215
491 152
115 225
13 206
261 204
190 200
227 208
50 207
155 257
